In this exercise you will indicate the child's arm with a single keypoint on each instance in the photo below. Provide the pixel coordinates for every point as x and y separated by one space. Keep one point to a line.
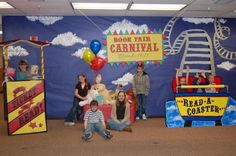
177 76
103 123
127 113
187 74
78 96
102 120
85 124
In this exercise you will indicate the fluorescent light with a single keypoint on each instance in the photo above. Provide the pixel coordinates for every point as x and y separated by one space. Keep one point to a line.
100 6
5 5
161 7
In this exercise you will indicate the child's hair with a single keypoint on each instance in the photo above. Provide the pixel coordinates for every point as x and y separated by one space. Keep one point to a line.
85 79
21 62
117 99
140 65
94 103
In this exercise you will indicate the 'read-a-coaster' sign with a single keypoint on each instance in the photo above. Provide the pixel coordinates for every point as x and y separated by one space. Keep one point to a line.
26 107
207 107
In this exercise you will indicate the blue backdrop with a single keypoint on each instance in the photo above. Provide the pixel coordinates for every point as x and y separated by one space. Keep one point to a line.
62 67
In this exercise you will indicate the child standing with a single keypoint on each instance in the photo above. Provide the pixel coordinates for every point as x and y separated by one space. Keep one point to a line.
94 121
141 86
80 94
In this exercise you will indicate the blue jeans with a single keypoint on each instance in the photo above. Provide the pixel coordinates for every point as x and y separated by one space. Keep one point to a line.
118 126
75 112
96 127
141 98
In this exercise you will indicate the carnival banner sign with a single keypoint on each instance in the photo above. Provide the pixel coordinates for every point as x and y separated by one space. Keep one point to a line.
26 107
134 47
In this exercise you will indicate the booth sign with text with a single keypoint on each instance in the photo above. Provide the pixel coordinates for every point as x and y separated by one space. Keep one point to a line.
26 107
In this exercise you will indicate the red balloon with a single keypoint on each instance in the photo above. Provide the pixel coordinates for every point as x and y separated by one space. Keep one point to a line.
97 63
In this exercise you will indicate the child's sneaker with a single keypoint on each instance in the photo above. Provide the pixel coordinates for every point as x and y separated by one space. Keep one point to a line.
127 129
86 137
108 135
137 118
144 117
69 123
108 127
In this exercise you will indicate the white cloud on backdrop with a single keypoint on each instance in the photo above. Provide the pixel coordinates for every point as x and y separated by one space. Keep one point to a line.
46 20
67 39
124 80
17 51
79 53
202 20
126 25
226 65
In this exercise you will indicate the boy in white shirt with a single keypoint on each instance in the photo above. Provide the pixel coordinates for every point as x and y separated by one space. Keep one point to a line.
94 121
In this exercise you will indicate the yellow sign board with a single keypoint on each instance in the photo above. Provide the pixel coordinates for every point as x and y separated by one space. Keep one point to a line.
205 106
134 47
26 107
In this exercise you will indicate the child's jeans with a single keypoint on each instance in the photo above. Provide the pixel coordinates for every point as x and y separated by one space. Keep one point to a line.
118 126
75 112
97 127
141 98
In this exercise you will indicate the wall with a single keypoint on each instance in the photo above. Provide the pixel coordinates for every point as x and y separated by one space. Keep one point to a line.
68 35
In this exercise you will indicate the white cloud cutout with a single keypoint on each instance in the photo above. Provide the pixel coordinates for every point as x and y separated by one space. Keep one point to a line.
171 108
223 20
126 25
231 108
177 118
124 80
79 53
17 51
226 65
67 39
199 20
46 20
202 20
102 53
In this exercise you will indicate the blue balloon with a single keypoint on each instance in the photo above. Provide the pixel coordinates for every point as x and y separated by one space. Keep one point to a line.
95 46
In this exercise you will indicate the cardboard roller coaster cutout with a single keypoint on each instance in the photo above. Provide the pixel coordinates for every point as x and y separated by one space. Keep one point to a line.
25 99
202 106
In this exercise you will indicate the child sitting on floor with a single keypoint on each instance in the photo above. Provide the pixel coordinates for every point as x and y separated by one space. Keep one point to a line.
94 121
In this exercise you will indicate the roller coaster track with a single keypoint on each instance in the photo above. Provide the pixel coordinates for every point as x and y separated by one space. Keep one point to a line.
220 35
198 45
167 31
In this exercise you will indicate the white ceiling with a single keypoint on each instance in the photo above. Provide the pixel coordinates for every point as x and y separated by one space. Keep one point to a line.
195 8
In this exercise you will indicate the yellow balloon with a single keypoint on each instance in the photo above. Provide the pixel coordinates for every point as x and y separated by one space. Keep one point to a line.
88 56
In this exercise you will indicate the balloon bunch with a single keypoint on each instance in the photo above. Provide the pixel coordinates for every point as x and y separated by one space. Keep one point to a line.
90 56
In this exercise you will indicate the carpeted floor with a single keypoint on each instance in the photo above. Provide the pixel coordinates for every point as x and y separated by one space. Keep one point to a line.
148 138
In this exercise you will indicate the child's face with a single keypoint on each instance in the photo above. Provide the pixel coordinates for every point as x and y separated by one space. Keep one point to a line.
211 78
23 67
94 108
121 97
182 81
140 69
81 79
